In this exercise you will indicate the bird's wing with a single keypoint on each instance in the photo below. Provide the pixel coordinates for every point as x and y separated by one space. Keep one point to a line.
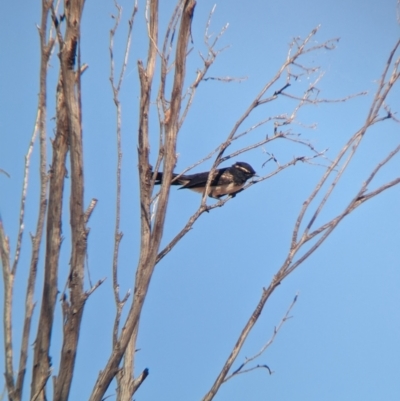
199 180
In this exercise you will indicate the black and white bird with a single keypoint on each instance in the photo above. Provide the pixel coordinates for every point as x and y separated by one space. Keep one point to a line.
225 181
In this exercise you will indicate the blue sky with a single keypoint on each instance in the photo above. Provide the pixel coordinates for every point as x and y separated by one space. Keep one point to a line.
342 342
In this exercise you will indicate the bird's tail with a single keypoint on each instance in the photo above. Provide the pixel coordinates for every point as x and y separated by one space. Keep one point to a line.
159 179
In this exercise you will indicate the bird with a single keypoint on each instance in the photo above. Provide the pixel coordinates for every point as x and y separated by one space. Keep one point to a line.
226 181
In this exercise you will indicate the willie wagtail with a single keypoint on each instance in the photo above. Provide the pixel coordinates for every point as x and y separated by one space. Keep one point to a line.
226 181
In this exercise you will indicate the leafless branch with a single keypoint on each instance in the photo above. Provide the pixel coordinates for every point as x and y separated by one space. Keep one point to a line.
4 172
398 11
298 47
208 61
24 192
41 386
162 102
123 380
46 51
94 288
139 380
240 370
317 101
151 232
206 208
70 86
279 120
116 87
285 120
242 338
361 197
8 280
298 240
350 147
90 209
226 79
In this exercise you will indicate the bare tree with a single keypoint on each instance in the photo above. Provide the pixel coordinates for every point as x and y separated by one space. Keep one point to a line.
170 50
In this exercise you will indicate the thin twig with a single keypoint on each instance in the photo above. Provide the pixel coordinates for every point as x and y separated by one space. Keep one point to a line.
277 328
208 61
24 192
116 87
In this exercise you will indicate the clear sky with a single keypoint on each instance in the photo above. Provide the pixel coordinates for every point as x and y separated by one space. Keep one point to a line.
342 342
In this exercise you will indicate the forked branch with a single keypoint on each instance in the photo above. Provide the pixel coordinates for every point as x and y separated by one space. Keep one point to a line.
335 172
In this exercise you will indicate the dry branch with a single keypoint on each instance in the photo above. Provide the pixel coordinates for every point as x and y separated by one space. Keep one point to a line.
299 240
279 120
8 279
122 379
41 360
46 50
241 340
277 328
150 234
77 297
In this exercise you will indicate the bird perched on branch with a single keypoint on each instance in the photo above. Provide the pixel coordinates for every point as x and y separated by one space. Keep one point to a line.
225 181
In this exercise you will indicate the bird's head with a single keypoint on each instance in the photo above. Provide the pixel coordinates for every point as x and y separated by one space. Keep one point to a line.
245 169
